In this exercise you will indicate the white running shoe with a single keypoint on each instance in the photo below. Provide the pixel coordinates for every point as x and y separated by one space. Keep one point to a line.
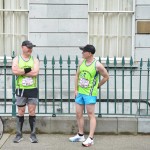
88 142
77 138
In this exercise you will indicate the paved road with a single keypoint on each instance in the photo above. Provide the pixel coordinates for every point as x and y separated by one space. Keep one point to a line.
61 142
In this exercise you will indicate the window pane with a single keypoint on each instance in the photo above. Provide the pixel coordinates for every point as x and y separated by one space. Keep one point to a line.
96 24
103 5
96 31
1 22
20 23
15 4
96 5
17 43
8 20
125 34
111 5
126 5
97 42
1 4
110 35
7 44
110 46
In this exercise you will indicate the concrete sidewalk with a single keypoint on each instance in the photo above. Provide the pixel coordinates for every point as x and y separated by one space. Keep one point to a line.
61 142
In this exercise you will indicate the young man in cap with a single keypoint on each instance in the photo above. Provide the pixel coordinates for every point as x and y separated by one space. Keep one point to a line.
86 89
26 69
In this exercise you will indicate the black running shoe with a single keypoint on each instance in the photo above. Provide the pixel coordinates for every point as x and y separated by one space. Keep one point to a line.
33 138
18 138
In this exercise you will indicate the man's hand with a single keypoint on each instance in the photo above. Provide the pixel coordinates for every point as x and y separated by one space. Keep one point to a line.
35 70
75 93
27 70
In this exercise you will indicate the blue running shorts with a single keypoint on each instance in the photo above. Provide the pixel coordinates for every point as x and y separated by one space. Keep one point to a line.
83 99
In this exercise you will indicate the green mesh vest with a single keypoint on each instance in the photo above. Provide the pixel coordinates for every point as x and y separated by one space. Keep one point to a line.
88 79
24 82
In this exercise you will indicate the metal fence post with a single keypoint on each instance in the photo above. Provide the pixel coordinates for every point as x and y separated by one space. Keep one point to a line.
53 69
5 62
60 63
123 64
115 81
45 74
107 63
131 64
69 62
38 87
99 114
13 91
140 84
148 67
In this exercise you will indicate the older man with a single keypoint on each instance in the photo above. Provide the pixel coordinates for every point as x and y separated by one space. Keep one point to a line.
26 69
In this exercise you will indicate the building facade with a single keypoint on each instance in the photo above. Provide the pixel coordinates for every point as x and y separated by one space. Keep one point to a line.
117 28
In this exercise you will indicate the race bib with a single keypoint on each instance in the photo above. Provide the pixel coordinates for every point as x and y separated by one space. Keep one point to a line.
27 81
84 83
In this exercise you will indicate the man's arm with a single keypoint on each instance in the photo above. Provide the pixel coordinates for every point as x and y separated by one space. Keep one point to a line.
35 69
101 69
76 82
15 68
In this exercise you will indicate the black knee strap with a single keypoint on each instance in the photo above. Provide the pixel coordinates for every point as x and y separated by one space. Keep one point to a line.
32 118
21 105
21 118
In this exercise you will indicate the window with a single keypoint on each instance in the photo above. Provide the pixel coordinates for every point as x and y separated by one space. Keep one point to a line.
13 25
111 27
